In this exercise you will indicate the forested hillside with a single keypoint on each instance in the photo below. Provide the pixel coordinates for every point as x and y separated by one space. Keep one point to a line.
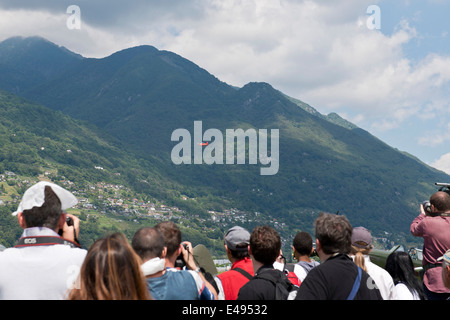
128 105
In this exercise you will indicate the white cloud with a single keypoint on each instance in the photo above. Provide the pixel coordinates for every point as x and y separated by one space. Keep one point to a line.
433 138
443 163
321 53
318 51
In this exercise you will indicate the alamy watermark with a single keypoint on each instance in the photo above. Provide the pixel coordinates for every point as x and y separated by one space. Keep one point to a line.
374 20
208 147
73 280
73 22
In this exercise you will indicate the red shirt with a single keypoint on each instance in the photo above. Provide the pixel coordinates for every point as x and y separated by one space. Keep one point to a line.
232 280
435 232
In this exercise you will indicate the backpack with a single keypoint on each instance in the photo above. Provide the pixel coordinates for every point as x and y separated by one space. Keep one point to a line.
289 271
284 288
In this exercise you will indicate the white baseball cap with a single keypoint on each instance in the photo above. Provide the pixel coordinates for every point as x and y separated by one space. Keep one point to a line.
35 197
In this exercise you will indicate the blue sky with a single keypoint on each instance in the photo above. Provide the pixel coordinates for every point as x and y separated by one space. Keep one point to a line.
393 82
430 18
425 136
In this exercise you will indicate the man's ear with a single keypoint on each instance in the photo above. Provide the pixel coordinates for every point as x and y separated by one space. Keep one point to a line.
62 220
21 220
318 245
164 253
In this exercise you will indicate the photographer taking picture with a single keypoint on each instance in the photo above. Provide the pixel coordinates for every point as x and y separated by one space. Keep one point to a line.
165 280
44 264
433 225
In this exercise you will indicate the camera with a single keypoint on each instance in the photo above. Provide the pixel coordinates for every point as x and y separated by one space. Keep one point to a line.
426 206
69 221
180 263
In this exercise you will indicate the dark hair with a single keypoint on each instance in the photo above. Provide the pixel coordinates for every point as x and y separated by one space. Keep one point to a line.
171 234
265 244
240 254
148 243
441 201
303 243
334 233
401 268
47 215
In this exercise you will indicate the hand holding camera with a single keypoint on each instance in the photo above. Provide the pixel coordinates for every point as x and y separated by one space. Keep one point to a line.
70 228
188 255
425 208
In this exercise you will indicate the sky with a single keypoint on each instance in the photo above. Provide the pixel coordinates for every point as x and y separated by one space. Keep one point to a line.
383 65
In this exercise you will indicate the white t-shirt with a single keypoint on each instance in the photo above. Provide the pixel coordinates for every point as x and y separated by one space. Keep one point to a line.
40 272
403 293
300 269
382 279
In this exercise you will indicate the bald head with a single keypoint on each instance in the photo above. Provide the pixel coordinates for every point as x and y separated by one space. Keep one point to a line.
441 201
148 243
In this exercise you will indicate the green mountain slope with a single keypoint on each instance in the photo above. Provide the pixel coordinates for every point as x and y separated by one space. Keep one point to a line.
39 143
141 95
34 137
26 62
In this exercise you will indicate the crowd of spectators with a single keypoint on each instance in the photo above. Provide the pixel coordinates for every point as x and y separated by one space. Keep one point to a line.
49 263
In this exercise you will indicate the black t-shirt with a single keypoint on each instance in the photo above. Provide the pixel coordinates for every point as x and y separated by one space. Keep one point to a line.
334 279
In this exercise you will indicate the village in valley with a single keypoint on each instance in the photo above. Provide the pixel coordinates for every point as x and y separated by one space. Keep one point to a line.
118 200
120 204
117 205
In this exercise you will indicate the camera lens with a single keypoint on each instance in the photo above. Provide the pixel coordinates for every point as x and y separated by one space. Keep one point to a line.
426 206
69 221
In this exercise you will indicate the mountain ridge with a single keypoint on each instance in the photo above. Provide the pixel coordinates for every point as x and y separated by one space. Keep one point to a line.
141 95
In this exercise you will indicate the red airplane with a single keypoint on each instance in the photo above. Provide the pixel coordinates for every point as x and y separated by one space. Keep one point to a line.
203 144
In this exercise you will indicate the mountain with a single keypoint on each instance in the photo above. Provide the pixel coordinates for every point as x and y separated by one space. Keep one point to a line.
26 62
39 143
141 95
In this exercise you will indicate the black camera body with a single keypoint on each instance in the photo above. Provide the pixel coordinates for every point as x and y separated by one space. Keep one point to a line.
69 221
180 263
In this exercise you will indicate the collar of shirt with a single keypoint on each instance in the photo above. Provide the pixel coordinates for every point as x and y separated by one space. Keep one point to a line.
241 263
264 267
39 231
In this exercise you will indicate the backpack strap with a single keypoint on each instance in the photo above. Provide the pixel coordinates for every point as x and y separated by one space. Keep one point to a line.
244 273
284 288
289 267
209 277
356 284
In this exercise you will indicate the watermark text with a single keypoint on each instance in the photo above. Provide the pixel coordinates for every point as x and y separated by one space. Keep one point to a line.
208 147
73 22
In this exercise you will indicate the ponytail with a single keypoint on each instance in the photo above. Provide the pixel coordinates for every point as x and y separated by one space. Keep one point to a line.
359 260
359 257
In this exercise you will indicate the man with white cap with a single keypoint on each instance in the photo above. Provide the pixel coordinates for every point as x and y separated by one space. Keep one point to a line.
236 242
43 264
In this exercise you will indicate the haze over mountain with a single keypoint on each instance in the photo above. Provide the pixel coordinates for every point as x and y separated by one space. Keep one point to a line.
141 95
